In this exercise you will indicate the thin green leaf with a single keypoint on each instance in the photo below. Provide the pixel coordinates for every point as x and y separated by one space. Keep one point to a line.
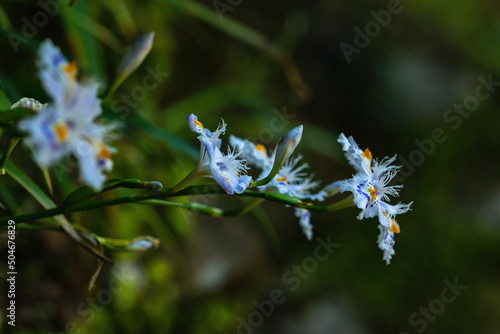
192 190
5 102
11 144
8 198
210 99
11 131
342 204
249 36
173 141
48 181
269 229
4 19
100 32
82 195
138 244
47 203
29 185
93 279
88 50
195 207
85 193
14 115
228 25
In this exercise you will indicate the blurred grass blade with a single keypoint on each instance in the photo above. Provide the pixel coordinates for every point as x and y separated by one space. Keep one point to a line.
8 198
229 26
100 263
210 99
15 115
29 185
249 36
329 147
78 196
138 244
342 204
100 32
126 21
171 140
48 181
92 239
4 20
132 59
5 102
12 142
47 203
85 45
85 193
269 229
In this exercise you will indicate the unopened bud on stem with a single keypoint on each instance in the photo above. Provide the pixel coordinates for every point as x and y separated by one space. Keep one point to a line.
283 152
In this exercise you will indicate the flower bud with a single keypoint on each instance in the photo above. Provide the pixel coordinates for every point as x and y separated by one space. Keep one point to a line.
153 185
141 244
29 103
134 57
194 124
283 151
286 147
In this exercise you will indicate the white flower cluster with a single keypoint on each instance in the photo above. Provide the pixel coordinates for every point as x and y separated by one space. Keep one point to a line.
67 125
371 191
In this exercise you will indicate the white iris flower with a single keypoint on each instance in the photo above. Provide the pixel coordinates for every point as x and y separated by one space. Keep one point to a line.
67 125
226 169
291 178
371 191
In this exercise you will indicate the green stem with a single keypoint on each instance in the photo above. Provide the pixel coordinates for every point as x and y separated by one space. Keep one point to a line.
195 207
193 190
6 154
112 88
207 209
110 243
261 182
246 208
342 204
84 194
194 175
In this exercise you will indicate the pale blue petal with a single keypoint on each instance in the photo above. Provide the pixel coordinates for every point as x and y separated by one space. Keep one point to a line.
305 222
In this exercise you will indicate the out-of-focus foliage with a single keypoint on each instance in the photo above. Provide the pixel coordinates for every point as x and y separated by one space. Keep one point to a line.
208 274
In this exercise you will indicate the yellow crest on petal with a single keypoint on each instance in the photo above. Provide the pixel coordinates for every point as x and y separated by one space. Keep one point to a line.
198 124
70 69
367 154
394 226
373 194
62 132
104 152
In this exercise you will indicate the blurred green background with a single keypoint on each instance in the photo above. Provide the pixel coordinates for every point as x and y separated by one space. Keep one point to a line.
239 60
